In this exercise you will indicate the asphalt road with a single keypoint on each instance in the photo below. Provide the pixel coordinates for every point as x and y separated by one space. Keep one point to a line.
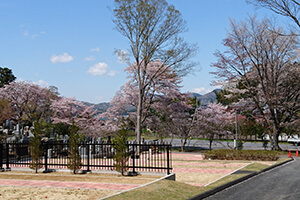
204 144
280 183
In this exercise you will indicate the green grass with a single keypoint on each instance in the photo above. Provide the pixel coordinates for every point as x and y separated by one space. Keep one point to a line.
255 167
281 160
224 180
163 189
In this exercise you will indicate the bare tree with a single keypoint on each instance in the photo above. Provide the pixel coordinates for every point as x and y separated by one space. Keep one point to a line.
287 8
264 62
153 29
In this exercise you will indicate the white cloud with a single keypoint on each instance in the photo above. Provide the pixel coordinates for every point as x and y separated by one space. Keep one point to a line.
63 58
98 69
26 33
99 98
32 36
90 58
201 90
20 79
42 83
111 73
97 49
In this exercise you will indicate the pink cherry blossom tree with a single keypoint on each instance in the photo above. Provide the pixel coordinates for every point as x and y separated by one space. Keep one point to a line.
28 101
214 120
125 102
72 112
175 117
153 30
263 60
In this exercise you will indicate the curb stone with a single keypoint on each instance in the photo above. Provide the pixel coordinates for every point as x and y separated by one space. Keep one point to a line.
234 182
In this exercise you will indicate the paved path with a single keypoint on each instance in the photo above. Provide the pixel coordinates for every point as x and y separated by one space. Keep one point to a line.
279 183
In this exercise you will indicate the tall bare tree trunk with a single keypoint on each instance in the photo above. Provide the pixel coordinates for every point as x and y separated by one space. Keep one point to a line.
138 129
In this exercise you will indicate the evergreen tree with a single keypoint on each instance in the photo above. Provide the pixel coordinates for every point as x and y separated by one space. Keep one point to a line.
35 146
6 76
122 154
74 162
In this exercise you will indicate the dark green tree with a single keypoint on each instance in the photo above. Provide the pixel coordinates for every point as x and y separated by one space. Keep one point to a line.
6 76
74 162
35 146
122 154
223 97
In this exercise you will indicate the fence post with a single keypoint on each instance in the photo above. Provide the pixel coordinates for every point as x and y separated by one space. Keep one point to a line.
88 157
46 157
1 157
133 161
168 160
7 157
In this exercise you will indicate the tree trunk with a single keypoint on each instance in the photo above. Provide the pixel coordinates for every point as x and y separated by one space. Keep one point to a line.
210 143
139 111
275 135
183 143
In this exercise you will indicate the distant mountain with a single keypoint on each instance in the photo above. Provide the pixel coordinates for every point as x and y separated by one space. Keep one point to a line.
100 107
195 95
205 99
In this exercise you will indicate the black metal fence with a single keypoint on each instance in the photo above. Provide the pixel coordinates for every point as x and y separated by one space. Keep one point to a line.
94 156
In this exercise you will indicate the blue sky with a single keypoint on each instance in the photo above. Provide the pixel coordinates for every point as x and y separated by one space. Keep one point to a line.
70 43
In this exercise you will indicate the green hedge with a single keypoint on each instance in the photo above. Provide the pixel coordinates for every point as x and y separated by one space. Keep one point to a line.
229 154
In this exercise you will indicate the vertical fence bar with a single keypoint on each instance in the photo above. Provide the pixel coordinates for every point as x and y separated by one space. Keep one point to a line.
46 156
88 157
1 157
168 160
133 157
7 156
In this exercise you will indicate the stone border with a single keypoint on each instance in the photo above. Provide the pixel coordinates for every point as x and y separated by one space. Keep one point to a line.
234 182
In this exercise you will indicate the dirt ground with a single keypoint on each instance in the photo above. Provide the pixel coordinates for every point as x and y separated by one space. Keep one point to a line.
15 193
56 192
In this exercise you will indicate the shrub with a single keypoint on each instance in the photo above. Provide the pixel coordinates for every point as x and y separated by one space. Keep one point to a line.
36 150
122 154
74 162
229 154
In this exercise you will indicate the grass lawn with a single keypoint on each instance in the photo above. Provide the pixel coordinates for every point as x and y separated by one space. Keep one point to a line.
163 189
